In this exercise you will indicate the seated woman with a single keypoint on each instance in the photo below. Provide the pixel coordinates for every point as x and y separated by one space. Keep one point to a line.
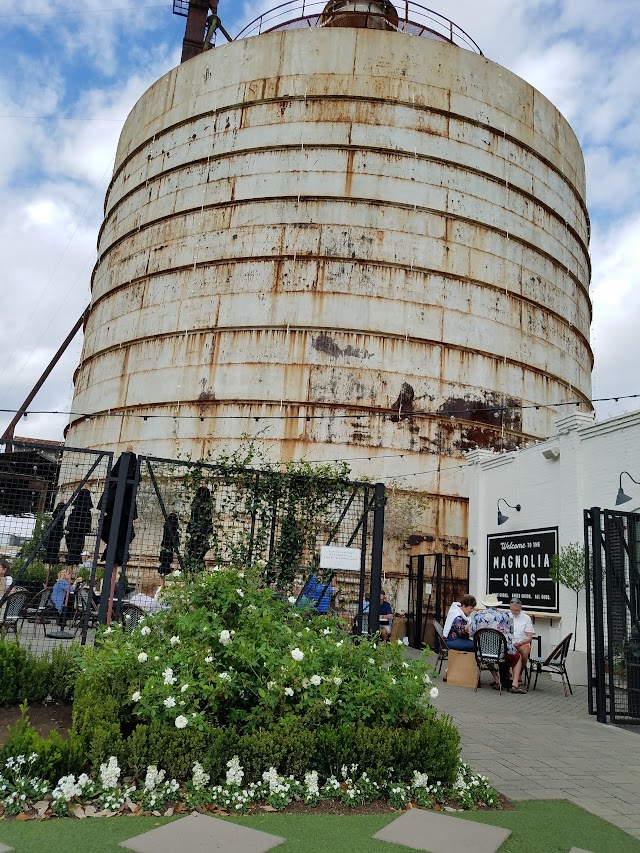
456 626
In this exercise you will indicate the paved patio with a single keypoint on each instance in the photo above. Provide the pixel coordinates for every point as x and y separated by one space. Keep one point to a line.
545 746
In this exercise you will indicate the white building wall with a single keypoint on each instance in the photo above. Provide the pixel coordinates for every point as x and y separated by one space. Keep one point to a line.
553 493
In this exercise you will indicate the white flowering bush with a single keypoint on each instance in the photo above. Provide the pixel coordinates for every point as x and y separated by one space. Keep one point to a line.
216 677
471 790
250 661
17 784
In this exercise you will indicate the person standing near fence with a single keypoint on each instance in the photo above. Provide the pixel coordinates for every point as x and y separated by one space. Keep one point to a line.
78 527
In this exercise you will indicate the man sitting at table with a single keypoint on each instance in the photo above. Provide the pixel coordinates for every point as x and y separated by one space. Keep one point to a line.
522 631
491 617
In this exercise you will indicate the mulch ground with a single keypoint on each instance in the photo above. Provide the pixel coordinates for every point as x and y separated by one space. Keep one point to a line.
43 718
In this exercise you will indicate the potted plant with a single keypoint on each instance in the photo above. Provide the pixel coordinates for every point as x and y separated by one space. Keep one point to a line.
568 568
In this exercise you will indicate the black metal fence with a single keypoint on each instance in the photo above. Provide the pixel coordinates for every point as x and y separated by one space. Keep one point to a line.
50 527
435 581
158 516
612 548
185 516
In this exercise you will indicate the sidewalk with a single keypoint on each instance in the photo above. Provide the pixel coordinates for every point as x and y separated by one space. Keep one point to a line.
545 746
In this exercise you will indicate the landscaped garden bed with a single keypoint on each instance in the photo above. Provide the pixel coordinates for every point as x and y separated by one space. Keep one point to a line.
231 698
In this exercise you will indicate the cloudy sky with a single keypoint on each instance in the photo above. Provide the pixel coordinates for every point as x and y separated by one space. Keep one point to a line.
71 71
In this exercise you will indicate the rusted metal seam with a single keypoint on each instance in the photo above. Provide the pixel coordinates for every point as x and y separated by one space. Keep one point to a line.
242 105
351 200
213 330
151 409
399 152
339 259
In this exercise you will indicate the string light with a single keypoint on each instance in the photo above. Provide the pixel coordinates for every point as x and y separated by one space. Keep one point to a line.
386 412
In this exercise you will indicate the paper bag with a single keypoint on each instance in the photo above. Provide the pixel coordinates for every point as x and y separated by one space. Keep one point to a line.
462 669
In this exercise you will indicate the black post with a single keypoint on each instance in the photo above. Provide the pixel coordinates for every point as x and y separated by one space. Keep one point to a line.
588 575
598 614
363 565
116 517
419 627
438 608
376 559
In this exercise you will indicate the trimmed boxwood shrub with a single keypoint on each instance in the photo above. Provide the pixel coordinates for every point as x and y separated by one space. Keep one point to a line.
27 677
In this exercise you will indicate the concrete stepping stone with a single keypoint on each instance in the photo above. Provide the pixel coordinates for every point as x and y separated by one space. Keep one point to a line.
578 850
437 833
202 833
4 848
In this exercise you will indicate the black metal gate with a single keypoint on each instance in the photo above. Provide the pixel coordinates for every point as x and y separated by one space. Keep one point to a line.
612 549
435 581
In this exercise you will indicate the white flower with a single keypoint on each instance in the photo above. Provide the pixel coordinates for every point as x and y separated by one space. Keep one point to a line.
426 679
326 631
405 665
296 654
181 722
400 642
292 599
184 688
174 640
240 593
168 676
225 676
270 685
305 683
339 645
200 778
327 701
433 693
153 778
371 660
145 631
136 696
110 773
225 637
337 681
208 659
109 630
240 574
176 573
288 691
315 680
235 773
169 702
142 657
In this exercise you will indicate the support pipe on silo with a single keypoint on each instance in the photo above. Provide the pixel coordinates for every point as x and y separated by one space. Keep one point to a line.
9 431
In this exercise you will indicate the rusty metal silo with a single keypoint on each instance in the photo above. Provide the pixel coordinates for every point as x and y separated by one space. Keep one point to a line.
335 229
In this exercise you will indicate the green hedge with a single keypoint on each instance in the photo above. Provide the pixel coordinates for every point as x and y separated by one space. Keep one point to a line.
57 756
27 677
432 747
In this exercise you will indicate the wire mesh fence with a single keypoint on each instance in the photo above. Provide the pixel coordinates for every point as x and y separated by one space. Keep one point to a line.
85 541
612 547
50 525
191 517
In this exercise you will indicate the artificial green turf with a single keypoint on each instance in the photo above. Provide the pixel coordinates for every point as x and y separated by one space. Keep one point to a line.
553 826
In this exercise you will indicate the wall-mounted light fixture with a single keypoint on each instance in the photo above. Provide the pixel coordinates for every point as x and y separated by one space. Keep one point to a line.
621 498
551 453
502 518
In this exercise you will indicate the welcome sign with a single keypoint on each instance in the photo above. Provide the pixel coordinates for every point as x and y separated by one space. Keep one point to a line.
519 566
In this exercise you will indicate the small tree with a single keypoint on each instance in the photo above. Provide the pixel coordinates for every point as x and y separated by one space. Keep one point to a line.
569 569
